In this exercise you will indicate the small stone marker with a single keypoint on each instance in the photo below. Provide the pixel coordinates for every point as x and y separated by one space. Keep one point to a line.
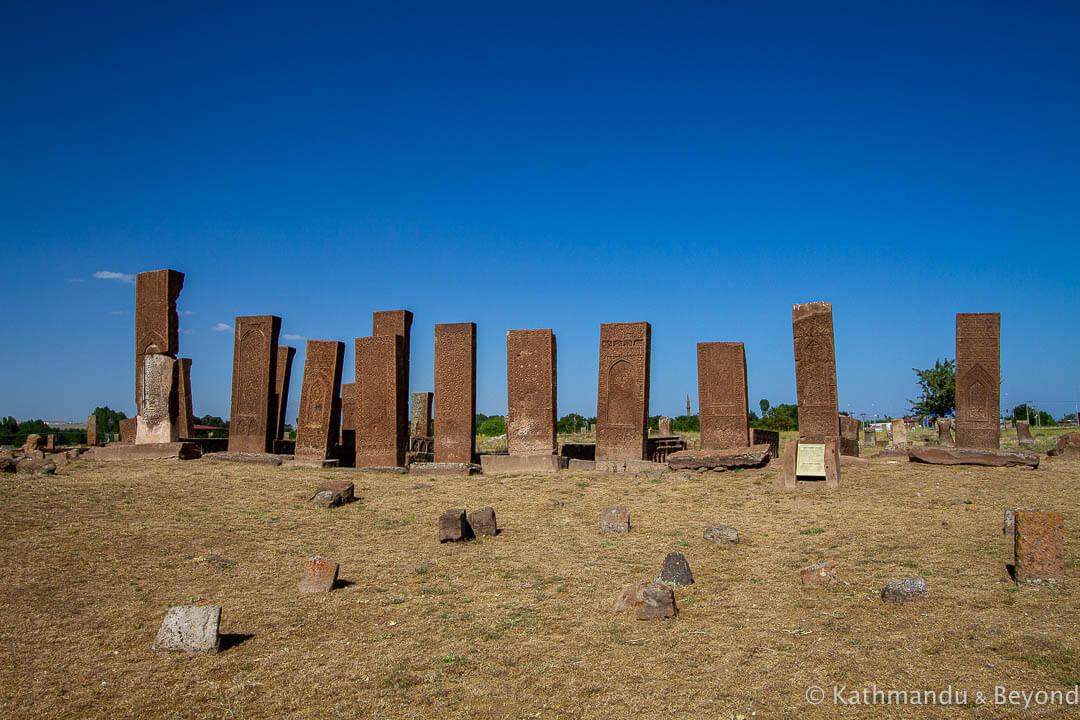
190 629
91 430
656 602
33 443
899 433
342 487
905 590
676 570
1038 542
721 534
1023 435
320 575
326 498
664 426
869 436
1007 528
944 432
615 520
823 573
482 521
454 526
627 599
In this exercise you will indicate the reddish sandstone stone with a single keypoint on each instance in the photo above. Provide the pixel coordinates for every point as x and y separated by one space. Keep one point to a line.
420 414
91 430
531 391
282 377
615 520
482 521
622 405
944 432
849 436
316 431
255 351
766 437
815 372
320 575
899 433
823 573
455 393
344 488
185 418
978 377
722 396
157 326
381 412
656 602
128 428
1038 541
454 526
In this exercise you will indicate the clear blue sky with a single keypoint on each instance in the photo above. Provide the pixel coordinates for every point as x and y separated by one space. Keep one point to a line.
542 166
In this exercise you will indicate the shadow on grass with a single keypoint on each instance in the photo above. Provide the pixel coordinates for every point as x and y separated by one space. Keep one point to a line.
231 640
339 583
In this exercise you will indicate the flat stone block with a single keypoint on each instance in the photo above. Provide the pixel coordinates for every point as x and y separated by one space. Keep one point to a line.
973 456
748 457
147 451
190 629
905 590
319 576
482 522
1039 544
494 464
656 602
454 526
445 468
576 464
615 520
344 488
721 534
244 457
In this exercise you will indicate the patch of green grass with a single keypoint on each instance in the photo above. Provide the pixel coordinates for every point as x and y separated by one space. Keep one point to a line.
812 531
451 660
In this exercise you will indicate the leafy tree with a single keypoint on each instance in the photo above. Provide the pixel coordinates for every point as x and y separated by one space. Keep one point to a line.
779 417
571 423
938 386
108 420
1024 413
764 405
1069 419
492 426
211 421
686 423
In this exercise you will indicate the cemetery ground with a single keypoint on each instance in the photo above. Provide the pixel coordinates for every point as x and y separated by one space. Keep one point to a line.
521 625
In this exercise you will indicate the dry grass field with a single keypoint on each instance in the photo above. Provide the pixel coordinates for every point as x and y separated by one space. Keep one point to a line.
520 625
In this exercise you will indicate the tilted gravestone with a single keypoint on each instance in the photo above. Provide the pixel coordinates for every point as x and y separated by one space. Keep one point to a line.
316 430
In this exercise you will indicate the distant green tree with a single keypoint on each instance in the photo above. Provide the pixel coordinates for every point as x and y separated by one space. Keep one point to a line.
211 421
492 426
1069 419
938 390
571 423
1024 413
108 420
777 417
685 423
764 405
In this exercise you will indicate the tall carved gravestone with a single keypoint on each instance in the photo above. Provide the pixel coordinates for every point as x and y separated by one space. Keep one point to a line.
282 375
317 430
455 392
849 436
531 392
157 326
397 322
91 430
348 420
420 414
253 421
159 407
722 398
816 455
622 398
978 377
185 421
381 410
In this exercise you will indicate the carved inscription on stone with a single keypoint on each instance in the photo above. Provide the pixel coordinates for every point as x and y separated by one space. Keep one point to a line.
282 374
185 421
348 419
317 430
978 377
531 392
815 372
157 326
622 403
157 421
722 397
396 322
381 409
455 392
420 414
252 421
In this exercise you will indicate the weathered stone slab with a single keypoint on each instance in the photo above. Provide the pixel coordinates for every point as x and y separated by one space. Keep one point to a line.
749 457
382 437
316 431
766 437
455 390
282 377
1010 519
531 372
944 432
721 534
482 522
320 574
655 602
622 405
971 456
128 430
722 398
157 326
495 464
146 451
905 590
637 467
815 372
1039 545
435 468
454 526
849 436
397 322
1068 446
978 377
821 574
581 465
185 418
899 433
420 414
190 629
348 421
344 488
663 425
251 458
615 520
156 422
869 436
91 430
1023 435
253 425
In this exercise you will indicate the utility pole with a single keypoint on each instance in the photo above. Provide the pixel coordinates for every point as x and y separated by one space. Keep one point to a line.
688 405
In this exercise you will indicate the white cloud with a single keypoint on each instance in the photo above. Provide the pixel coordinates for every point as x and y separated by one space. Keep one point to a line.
112 275
290 336
221 327
187 312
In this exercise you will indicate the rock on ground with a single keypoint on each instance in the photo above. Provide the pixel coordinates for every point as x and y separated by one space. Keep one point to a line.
190 629
721 534
905 590
676 571
973 456
754 456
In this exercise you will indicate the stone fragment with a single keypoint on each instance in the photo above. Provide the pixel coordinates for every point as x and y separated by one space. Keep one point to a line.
148 451
849 436
899 433
33 443
615 520
627 599
722 398
35 466
185 417
1039 545
676 571
7 464
50 442
622 405
253 423
455 388
344 488
1023 435
815 372
454 526
869 436
159 407
496 464
1010 514
766 437
970 456
746 457
482 521
823 573
327 498
656 601
531 381
721 534
128 429
282 378
319 576
420 414
905 590
190 629
978 380
316 427
944 432
664 426
1068 445
157 325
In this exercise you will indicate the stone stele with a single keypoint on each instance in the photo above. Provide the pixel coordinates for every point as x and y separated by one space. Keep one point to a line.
978 376
282 376
156 423
316 429
185 419
531 392
722 396
255 350
455 388
420 414
381 413
815 372
622 402
157 326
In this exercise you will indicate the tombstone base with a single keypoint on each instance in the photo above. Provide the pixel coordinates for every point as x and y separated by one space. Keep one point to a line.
631 466
494 464
748 457
146 451
243 457
311 462
436 468
789 479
